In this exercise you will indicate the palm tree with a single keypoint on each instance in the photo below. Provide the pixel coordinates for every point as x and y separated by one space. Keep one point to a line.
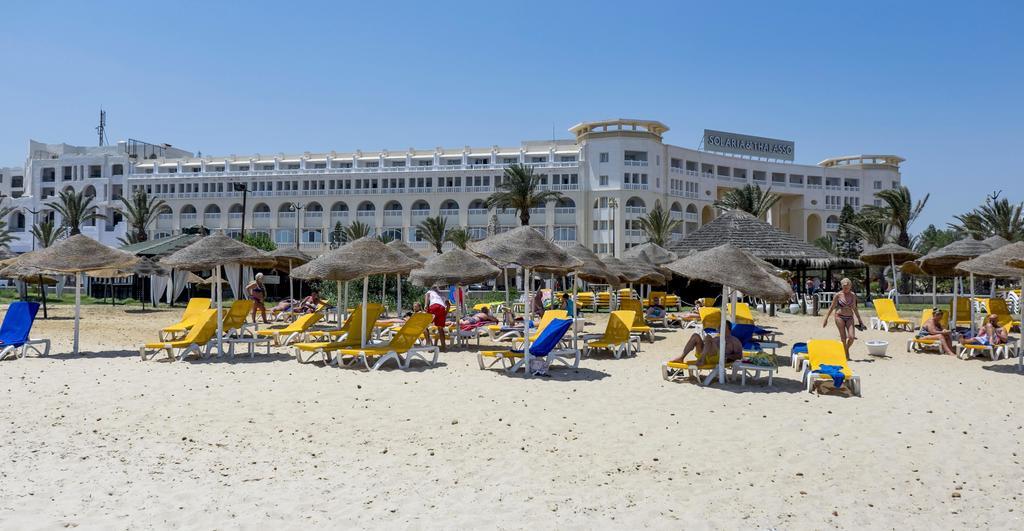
996 217
5 230
46 233
385 238
459 236
140 211
750 199
75 209
434 230
659 225
899 211
827 244
872 229
355 231
520 189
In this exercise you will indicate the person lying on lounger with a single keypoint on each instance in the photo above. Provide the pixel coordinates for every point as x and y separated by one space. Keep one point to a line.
932 329
990 333
483 316
707 348
655 311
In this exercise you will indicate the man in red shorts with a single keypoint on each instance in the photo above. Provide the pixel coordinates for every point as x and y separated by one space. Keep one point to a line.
438 307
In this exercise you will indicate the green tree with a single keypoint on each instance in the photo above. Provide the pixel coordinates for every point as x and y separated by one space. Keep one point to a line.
520 190
140 211
434 230
75 209
354 231
46 233
385 238
996 217
750 199
459 236
337 235
658 224
933 238
848 241
899 211
259 240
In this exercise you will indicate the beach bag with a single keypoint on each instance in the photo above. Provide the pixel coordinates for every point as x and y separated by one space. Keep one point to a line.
538 366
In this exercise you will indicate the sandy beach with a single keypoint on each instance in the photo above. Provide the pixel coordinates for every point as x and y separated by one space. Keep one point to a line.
106 441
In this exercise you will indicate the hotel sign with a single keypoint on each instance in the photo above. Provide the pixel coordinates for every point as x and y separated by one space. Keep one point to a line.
753 146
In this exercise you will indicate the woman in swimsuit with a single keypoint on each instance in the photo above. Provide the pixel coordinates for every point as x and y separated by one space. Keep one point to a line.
845 306
258 293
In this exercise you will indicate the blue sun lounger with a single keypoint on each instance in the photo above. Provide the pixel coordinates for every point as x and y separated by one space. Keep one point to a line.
15 330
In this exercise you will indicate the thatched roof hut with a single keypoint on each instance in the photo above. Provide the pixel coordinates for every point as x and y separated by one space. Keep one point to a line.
994 263
760 239
525 247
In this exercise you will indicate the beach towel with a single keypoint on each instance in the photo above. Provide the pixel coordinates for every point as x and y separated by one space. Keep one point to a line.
834 371
798 348
469 327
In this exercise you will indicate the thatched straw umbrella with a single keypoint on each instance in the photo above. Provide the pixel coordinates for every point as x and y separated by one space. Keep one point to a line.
592 268
454 266
636 271
732 267
1012 259
400 246
210 253
942 262
362 258
14 269
655 253
889 254
287 257
77 255
996 242
529 249
145 267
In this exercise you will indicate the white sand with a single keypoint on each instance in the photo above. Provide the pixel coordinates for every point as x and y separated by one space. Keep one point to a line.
107 441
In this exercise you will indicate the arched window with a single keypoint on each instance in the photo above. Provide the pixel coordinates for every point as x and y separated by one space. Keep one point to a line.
339 206
565 202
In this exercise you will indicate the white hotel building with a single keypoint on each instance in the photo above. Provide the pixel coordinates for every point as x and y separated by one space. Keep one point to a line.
610 174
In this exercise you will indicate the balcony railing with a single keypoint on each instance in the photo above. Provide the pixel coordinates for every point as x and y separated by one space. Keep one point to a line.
831 226
636 210
419 213
477 211
690 216
366 213
392 213
565 210
634 186
634 162
339 171
448 212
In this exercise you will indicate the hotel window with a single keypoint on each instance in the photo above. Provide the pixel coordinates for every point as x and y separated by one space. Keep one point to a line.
67 173
320 166
565 233
374 164
17 181
117 169
878 185
397 163
291 167
425 163
567 158
603 180
509 160
452 162
94 171
538 160
267 167
878 202
481 161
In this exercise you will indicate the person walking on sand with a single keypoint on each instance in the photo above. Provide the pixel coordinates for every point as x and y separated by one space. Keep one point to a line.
844 304
258 293
438 307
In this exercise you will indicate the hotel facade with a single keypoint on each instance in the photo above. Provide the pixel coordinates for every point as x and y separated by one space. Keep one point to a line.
610 174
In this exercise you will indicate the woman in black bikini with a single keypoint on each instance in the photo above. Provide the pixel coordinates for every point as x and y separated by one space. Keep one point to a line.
258 293
845 305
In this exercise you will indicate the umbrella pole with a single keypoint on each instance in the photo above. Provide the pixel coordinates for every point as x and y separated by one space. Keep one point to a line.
972 302
529 313
42 289
365 325
291 282
383 291
398 296
732 304
78 305
346 300
1020 336
575 334
505 269
952 321
721 336
220 305
895 286
934 298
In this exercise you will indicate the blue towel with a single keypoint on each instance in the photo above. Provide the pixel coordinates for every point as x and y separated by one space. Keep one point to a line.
835 371
798 348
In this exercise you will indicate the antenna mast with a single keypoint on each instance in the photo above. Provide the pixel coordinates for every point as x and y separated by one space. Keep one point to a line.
101 129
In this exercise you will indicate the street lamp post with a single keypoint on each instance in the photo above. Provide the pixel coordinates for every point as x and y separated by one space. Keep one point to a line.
297 208
613 205
35 216
244 188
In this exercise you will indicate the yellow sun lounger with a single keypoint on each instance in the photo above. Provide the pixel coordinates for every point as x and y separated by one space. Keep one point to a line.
401 349
675 371
349 335
235 320
549 315
828 352
373 313
197 338
616 338
1001 310
743 313
887 316
295 330
193 310
918 344
639 325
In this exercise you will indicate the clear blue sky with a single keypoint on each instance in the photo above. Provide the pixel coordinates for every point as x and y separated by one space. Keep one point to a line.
939 83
